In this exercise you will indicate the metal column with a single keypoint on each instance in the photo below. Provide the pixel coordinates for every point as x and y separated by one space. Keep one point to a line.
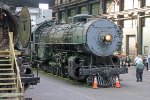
140 29
139 35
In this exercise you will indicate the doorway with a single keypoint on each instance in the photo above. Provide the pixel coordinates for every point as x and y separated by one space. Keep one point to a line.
130 45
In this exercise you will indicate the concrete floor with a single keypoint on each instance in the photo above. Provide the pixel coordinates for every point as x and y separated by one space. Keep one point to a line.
56 88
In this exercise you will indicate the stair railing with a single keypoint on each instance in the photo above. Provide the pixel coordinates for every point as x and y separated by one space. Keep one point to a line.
20 88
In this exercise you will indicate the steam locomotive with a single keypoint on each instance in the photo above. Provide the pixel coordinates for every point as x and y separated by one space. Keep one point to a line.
80 49
19 24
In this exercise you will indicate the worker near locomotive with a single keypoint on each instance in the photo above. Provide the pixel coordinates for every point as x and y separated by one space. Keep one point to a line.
15 35
80 49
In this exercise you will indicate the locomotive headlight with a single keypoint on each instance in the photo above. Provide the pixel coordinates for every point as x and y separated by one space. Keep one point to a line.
108 38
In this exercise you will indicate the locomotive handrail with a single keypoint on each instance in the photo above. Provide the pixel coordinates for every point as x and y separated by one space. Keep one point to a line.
12 51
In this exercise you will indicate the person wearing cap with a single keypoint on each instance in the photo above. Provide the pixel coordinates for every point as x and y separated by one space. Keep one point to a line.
139 69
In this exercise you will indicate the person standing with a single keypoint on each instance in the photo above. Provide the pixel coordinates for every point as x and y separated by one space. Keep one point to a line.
148 62
138 59
128 60
139 70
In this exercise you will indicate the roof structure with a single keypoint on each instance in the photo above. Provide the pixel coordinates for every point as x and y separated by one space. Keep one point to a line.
129 14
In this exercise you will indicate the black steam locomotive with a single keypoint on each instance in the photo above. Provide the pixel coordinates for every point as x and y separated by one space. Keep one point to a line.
80 49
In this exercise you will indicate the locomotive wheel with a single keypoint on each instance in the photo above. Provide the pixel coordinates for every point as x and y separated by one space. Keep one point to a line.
58 71
54 70
50 69
61 72
64 71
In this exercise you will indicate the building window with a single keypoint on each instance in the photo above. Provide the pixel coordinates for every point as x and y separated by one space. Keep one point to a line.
56 2
61 15
43 6
84 10
130 23
136 3
130 4
112 7
147 2
94 9
61 1
147 22
71 12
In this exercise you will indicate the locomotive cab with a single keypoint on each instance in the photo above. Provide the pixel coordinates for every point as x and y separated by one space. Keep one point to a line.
80 18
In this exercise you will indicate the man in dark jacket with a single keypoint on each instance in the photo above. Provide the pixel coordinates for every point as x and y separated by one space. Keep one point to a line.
139 71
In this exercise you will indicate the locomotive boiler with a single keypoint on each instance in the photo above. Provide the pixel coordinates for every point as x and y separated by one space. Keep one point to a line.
17 23
81 49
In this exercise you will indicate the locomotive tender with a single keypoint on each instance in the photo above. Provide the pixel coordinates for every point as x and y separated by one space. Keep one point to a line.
19 24
81 49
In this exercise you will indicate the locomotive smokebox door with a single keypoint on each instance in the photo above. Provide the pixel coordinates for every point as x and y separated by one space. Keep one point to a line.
24 24
104 37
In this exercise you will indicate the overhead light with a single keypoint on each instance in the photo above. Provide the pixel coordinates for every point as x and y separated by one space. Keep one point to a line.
131 14
112 18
